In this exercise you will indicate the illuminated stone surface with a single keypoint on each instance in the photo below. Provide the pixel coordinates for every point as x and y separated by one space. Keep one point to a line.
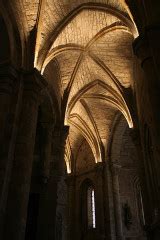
70 90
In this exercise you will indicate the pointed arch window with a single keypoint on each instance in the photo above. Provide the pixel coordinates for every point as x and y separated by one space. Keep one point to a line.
139 202
88 208
140 206
91 211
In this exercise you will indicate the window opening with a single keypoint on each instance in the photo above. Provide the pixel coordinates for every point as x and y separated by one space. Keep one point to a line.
91 208
140 206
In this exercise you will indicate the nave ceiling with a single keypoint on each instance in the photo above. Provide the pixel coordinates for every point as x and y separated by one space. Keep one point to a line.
91 45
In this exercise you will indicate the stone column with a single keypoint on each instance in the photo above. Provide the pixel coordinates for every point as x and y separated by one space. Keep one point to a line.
16 211
61 212
48 199
71 183
117 203
46 150
7 79
64 135
147 49
100 203
109 201
142 171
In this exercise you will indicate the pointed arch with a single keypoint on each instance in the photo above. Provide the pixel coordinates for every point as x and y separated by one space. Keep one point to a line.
88 135
117 100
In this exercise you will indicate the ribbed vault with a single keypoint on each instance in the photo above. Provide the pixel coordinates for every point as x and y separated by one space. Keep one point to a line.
94 53
89 45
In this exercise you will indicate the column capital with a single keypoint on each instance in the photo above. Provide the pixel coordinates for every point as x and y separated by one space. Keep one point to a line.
70 180
99 167
135 135
34 83
34 78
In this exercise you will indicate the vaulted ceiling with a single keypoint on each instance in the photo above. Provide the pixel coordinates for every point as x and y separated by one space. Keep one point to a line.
91 43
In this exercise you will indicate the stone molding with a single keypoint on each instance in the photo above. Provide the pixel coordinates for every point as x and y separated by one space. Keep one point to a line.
70 180
34 83
135 135
33 80
99 167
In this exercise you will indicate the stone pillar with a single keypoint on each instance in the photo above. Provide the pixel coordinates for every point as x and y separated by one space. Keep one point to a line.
61 212
142 171
7 82
100 203
50 177
46 150
64 135
109 201
147 49
16 211
48 198
117 203
71 183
